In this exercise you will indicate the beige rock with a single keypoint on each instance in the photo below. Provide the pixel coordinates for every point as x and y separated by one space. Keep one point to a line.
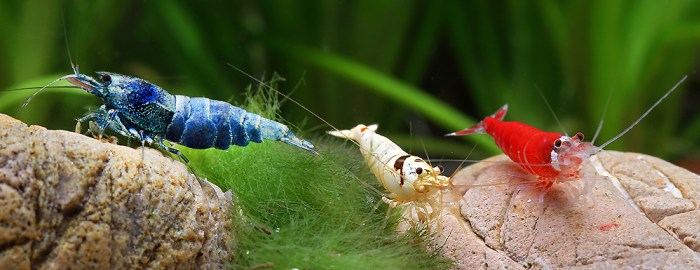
641 214
68 201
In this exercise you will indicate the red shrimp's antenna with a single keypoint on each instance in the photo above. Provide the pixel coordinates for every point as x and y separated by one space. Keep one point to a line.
551 110
643 115
602 118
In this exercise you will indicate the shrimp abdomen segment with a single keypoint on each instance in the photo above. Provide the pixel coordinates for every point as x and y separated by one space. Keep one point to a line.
202 123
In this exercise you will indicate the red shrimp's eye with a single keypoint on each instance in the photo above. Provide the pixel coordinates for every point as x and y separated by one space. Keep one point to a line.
441 168
106 78
557 143
579 135
419 170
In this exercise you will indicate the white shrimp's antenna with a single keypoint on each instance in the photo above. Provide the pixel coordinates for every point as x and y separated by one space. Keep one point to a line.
644 114
466 159
300 105
487 161
284 95
551 110
314 114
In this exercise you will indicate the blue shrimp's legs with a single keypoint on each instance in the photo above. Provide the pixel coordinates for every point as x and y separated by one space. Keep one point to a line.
171 149
105 119
108 119
143 137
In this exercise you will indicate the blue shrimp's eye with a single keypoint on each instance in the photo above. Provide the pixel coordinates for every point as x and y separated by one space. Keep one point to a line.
106 78
419 170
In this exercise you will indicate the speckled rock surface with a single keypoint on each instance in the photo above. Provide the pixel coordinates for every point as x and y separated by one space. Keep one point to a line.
68 201
642 214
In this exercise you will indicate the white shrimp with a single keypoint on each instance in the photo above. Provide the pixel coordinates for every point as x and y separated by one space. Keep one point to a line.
409 179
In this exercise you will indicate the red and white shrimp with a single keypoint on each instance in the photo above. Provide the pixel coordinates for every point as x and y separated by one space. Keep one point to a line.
549 156
409 179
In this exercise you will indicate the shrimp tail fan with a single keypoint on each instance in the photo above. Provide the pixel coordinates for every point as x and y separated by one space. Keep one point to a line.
479 128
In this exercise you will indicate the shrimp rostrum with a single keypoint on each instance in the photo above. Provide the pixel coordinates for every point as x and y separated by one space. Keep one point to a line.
409 179
136 108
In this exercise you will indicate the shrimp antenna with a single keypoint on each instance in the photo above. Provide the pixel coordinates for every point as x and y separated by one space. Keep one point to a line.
425 150
26 102
306 109
644 114
602 119
465 159
73 66
285 96
65 39
410 133
298 104
487 161
37 87
551 110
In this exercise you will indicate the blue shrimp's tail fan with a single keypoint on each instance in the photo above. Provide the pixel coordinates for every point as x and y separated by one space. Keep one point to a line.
355 133
272 130
479 128
296 141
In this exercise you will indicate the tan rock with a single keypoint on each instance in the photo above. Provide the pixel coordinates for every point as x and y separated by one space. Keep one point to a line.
68 201
642 213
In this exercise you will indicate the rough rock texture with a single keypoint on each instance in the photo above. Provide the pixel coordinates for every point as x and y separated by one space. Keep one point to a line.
642 214
68 201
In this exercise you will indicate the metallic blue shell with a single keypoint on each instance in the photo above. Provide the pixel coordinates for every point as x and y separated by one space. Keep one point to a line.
204 123
137 108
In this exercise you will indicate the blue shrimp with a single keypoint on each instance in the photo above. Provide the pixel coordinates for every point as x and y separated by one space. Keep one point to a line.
136 108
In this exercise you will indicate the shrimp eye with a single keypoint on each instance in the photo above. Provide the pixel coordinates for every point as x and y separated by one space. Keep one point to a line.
106 78
557 143
419 170
579 135
441 168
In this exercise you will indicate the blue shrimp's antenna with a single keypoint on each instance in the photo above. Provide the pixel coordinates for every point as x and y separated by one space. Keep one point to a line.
73 66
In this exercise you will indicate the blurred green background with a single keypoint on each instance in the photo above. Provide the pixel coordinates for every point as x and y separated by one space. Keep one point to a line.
418 68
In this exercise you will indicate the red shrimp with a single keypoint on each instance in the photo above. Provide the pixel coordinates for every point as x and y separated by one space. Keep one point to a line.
548 155
551 157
